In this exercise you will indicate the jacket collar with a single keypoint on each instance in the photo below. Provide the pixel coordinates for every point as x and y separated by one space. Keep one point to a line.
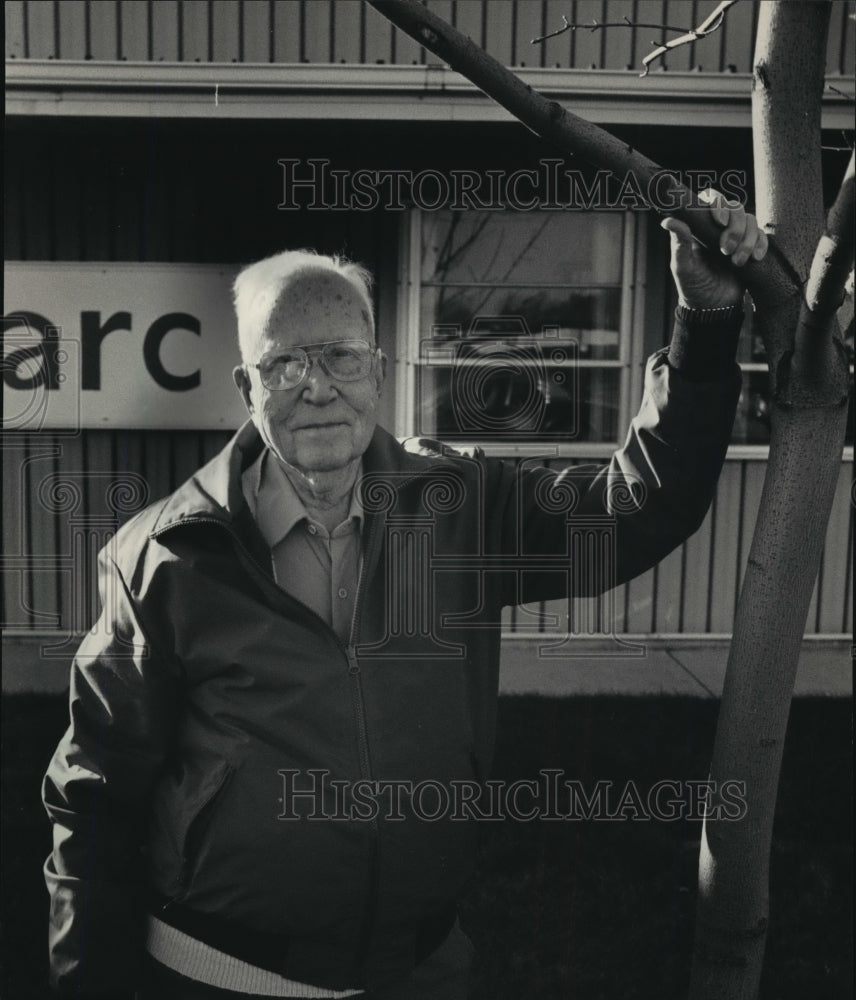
214 491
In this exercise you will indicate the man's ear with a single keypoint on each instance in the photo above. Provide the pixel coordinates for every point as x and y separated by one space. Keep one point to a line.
242 381
380 371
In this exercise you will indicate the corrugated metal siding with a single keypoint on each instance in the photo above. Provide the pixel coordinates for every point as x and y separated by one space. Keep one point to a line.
64 497
348 31
695 589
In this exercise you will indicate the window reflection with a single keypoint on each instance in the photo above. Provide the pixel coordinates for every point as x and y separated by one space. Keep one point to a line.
517 311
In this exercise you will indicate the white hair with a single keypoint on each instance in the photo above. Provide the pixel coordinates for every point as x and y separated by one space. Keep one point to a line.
258 287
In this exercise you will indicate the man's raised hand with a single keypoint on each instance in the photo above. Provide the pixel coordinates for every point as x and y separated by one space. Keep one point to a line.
705 280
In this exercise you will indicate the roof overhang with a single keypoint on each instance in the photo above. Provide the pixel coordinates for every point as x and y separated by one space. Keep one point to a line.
413 93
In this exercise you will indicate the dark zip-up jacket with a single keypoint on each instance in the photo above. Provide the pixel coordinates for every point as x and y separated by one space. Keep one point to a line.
205 695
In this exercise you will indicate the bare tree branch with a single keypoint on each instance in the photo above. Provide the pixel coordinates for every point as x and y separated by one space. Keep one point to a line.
833 259
707 27
710 24
594 25
814 344
847 140
835 90
774 277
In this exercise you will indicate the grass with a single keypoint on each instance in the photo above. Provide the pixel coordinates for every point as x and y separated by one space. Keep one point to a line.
591 910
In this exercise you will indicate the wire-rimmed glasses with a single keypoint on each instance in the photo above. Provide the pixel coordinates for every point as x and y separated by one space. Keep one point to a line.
343 360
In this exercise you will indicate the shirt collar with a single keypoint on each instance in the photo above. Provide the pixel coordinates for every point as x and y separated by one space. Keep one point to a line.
274 501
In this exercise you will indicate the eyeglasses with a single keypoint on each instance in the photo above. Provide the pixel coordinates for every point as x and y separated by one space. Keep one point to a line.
343 360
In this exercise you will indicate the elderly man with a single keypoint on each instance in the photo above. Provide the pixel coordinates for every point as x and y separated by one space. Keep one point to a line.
255 640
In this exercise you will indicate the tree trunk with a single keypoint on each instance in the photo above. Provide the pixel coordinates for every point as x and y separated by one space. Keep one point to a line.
808 424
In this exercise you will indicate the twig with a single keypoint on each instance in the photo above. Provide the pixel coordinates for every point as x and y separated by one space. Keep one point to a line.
710 24
833 258
625 22
840 93
846 148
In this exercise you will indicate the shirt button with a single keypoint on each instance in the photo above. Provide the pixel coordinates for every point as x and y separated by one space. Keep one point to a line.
342 592
312 529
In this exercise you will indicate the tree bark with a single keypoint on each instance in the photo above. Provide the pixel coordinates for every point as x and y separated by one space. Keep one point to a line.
809 385
808 424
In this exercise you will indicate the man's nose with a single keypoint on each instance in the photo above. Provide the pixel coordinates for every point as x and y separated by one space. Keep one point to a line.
318 386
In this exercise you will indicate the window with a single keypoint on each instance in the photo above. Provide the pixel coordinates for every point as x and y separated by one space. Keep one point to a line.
523 331
518 329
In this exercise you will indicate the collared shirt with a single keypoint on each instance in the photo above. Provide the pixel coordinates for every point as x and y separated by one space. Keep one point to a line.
318 567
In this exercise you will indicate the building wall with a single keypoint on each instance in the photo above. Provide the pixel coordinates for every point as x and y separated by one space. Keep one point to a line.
204 193
351 32
158 172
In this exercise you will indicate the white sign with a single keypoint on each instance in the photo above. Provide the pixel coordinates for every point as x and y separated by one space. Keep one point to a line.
119 345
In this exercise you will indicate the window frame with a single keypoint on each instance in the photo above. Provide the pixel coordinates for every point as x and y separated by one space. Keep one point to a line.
630 346
634 349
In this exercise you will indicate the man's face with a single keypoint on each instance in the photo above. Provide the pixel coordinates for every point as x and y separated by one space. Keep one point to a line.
322 424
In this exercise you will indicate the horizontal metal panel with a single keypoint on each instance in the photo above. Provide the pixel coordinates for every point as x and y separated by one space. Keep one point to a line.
427 93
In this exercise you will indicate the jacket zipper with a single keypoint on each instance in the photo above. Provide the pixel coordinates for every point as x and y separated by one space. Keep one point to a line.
365 760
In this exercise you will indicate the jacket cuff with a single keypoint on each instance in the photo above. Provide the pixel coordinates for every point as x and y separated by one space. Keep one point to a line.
704 342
